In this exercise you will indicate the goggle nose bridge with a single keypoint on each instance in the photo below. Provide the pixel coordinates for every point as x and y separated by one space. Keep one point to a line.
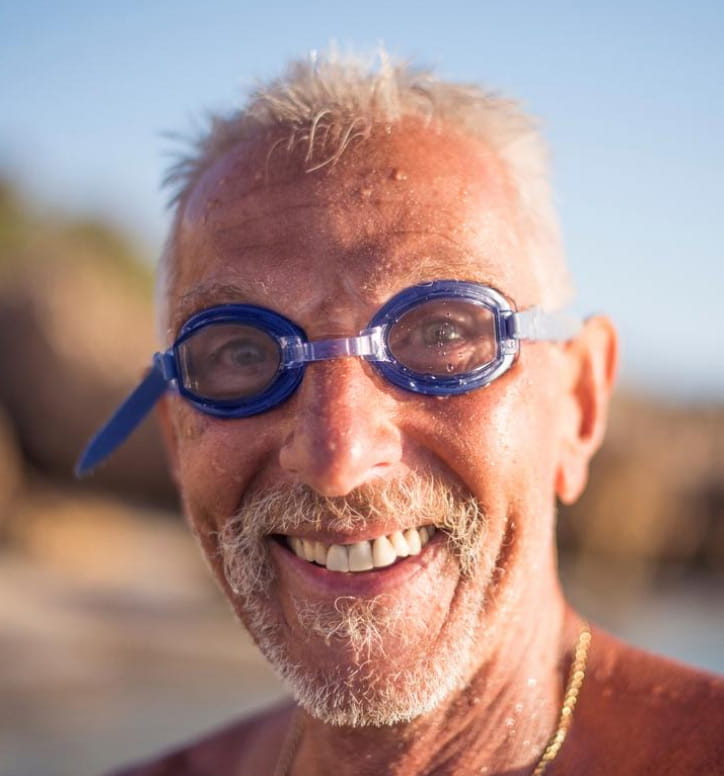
369 344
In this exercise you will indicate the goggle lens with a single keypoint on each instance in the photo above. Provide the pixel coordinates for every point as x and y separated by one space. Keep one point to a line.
228 361
444 337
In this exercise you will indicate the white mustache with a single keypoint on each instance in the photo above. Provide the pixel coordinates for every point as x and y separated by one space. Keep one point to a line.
416 500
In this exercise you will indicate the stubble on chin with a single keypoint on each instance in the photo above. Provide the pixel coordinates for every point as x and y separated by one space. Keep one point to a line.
379 667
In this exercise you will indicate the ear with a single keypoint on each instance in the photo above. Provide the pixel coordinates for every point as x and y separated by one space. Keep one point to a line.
169 435
593 360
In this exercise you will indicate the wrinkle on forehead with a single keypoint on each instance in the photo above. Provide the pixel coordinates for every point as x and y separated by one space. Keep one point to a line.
238 227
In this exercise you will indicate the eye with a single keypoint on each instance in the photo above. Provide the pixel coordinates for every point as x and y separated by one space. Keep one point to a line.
229 361
239 353
444 337
436 333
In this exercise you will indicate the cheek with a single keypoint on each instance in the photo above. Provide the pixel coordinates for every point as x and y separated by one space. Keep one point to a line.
217 460
501 442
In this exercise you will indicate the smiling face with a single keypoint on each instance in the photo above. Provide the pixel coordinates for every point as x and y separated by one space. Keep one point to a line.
449 500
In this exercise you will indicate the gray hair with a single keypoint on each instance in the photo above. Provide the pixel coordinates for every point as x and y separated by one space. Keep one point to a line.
322 104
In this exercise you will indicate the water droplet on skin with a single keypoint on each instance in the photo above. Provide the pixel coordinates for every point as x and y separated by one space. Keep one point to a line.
518 707
450 367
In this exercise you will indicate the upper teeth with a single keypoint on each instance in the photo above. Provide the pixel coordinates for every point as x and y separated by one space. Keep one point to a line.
365 555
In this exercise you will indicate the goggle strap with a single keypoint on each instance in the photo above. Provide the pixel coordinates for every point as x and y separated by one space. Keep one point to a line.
124 420
535 324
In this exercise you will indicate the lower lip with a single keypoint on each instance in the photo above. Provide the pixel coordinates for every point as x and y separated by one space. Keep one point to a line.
360 583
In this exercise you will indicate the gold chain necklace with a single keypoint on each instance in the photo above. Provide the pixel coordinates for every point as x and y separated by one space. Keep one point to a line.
576 676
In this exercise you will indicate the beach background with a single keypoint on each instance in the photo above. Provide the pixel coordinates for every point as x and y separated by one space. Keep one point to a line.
114 642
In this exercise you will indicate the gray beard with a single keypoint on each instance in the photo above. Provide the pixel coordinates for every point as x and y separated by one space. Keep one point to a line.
373 677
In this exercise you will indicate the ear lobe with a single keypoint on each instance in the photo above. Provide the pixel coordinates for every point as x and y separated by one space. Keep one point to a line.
594 362
169 435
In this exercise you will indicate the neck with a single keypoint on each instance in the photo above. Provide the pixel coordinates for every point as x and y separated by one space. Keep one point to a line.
499 722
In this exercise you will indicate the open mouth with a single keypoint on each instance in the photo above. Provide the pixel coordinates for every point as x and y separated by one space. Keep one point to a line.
366 555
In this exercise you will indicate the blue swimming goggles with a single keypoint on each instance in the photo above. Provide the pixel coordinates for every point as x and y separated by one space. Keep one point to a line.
441 338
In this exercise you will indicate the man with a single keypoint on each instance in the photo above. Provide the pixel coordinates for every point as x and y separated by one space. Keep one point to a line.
379 398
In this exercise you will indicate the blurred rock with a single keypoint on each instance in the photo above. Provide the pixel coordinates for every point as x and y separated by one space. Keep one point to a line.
76 333
656 489
108 545
11 471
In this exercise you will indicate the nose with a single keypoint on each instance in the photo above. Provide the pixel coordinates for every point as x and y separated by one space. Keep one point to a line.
344 432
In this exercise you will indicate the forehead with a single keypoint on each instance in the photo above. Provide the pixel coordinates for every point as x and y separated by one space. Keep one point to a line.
402 206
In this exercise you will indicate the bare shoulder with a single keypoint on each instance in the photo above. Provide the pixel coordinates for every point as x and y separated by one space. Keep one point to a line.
247 746
644 714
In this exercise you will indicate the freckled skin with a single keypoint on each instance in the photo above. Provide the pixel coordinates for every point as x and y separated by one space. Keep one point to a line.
326 249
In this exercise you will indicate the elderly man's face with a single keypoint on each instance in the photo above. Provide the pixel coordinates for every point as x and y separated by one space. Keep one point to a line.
350 457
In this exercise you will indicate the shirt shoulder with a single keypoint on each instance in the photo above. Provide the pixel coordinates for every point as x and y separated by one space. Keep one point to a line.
246 746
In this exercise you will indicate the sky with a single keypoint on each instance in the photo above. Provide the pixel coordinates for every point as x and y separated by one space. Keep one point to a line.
630 96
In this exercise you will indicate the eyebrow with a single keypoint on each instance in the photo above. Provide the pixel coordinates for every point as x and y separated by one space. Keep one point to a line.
439 267
205 295
214 293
